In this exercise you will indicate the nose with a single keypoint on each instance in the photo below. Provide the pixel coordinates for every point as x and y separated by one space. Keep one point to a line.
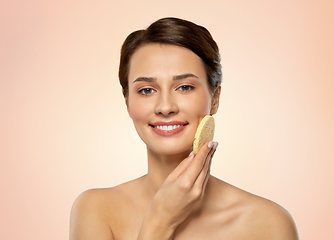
166 105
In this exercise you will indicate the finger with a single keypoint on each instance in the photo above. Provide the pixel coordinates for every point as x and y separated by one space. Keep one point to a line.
208 171
206 179
195 167
205 173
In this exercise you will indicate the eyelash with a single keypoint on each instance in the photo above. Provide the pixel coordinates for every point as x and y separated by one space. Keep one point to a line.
148 91
142 91
187 86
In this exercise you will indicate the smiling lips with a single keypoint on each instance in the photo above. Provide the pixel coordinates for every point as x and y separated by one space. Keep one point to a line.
168 128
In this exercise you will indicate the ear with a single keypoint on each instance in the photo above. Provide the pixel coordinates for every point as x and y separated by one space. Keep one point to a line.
215 100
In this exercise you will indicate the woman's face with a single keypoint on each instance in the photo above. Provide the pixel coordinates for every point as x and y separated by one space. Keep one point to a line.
168 96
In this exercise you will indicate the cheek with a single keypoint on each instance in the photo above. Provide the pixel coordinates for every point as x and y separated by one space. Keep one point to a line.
204 105
199 103
138 110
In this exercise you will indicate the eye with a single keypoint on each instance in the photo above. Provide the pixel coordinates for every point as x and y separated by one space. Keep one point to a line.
146 91
185 88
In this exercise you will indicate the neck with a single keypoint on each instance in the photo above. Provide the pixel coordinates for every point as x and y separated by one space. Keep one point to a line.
159 167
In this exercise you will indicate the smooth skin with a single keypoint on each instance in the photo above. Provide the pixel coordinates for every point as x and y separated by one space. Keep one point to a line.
177 198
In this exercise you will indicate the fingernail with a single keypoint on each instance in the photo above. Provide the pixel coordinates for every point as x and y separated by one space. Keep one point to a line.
191 153
210 144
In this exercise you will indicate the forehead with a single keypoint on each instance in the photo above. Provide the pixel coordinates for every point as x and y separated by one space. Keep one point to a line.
157 60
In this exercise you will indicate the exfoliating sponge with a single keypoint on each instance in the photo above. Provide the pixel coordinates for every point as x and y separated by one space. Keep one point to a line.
204 133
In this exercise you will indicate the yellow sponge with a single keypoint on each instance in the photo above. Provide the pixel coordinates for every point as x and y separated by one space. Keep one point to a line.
204 133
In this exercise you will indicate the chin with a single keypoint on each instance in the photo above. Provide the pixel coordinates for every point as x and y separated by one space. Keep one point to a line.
172 150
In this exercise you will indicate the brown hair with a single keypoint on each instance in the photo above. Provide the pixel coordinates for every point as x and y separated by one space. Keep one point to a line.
178 32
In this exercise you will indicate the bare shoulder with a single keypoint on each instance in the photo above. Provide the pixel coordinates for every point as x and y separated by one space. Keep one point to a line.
271 220
88 220
265 219
253 217
93 212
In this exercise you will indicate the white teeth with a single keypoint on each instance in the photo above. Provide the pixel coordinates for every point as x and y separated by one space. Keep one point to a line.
168 128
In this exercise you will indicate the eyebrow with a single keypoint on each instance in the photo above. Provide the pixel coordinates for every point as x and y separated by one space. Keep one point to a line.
176 77
183 76
145 79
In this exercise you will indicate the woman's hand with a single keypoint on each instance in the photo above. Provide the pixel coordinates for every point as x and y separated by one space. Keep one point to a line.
178 195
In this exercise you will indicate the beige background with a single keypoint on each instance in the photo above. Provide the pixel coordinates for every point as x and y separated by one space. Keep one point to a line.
64 127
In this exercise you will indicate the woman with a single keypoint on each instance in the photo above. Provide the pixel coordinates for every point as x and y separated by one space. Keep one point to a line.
171 76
